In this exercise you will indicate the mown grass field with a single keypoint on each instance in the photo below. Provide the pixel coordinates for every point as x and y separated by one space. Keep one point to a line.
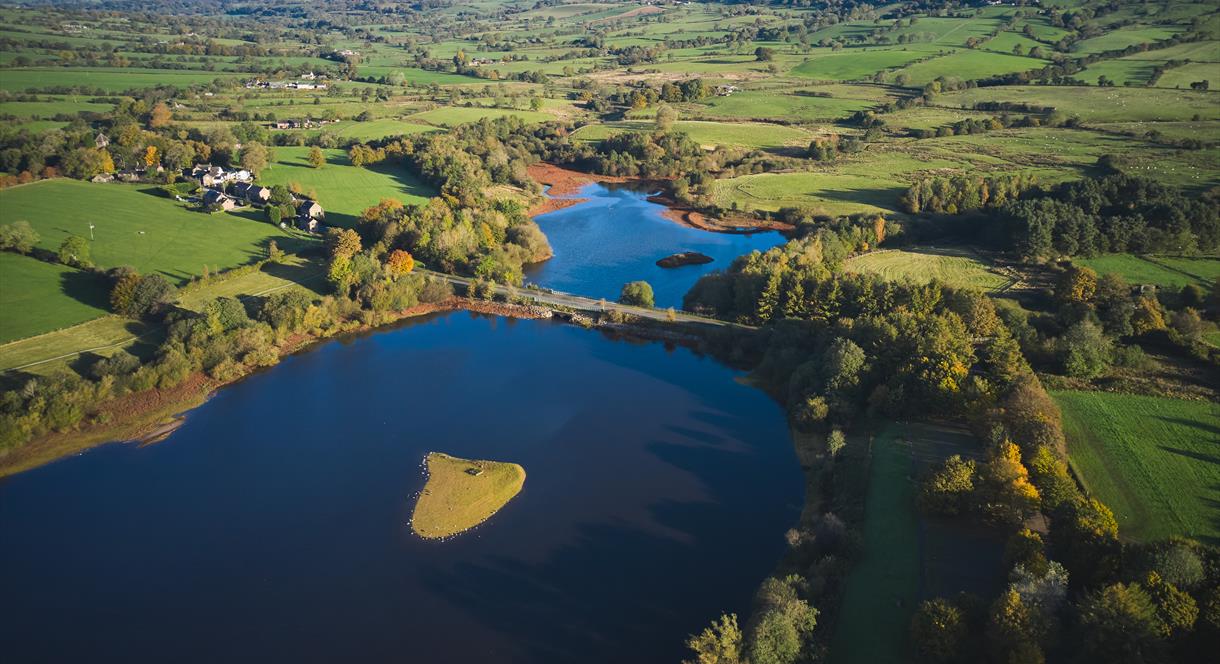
37 297
454 500
137 225
1155 461
343 190
883 586
1164 271
959 270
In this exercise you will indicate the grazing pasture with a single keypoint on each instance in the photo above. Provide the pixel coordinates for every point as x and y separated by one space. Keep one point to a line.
456 115
343 190
108 79
1093 104
137 225
968 65
1152 460
48 296
779 106
854 64
743 134
1164 271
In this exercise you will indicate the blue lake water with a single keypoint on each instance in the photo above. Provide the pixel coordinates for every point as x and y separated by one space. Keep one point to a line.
617 236
273 525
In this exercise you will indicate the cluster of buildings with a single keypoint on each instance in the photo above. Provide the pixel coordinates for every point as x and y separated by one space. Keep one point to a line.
307 123
285 85
242 190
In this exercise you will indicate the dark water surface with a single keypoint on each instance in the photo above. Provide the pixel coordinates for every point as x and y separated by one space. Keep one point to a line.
618 235
272 525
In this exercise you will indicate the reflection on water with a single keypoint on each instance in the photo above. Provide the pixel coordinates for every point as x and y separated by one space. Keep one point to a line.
617 236
272 525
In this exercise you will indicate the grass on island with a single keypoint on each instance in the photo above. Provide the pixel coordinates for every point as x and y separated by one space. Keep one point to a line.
462 493
956 269
1153 460
1164 271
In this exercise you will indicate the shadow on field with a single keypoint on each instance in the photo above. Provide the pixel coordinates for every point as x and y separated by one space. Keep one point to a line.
1207 458
880 196
87 287
1194 424
310 275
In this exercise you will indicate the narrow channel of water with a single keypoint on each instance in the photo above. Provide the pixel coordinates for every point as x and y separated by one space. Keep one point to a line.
617 235
273 525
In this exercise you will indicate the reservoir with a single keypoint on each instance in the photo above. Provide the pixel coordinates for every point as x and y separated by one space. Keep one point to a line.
272 526
617 235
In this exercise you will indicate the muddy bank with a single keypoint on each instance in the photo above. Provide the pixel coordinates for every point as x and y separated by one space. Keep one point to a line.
565 184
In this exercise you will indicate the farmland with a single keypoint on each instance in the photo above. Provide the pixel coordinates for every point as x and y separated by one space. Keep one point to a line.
956 269
138 226
48 296
1164 271
1151 459
343 190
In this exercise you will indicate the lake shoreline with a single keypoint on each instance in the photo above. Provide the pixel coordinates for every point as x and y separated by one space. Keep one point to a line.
153 415
564 186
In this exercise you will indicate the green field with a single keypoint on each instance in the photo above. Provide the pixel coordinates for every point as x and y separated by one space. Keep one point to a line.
1162 271
968 65
882 588
450 116
455 500
108 79
375 129
854 64
108 334
779 106
1093 104
138 226
744 134
1153 460
343 190
48 297
956 269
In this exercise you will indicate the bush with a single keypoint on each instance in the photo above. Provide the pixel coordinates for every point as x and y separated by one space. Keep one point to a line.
637 293
18 236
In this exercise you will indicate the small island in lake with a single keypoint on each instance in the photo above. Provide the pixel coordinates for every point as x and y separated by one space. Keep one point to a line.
462 493
684 258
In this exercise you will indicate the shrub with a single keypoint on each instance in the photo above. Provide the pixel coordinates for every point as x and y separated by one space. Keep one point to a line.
637 293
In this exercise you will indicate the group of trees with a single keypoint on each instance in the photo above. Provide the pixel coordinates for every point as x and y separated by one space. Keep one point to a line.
1117 213
956 194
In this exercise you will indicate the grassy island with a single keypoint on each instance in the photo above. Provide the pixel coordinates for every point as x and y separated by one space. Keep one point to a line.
462 493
